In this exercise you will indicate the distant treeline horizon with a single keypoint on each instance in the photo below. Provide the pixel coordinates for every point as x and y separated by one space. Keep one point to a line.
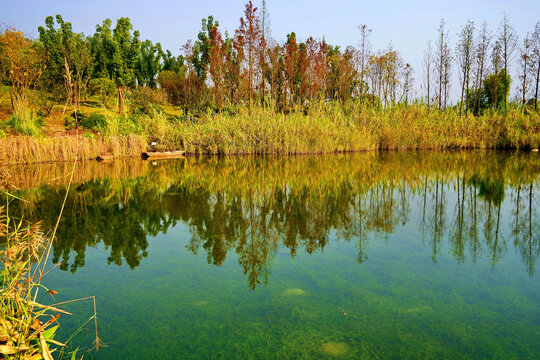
247 67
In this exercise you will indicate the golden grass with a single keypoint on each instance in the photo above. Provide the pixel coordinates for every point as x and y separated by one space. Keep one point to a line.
27 149
264 132
353 128
22 333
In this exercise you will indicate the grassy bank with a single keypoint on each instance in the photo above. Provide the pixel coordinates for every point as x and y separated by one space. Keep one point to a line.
336 128
325 128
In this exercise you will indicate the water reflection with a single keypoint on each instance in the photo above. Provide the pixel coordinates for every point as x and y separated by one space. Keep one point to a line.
479 204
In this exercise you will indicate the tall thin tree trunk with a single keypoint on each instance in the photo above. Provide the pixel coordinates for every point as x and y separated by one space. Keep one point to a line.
121 99
537 83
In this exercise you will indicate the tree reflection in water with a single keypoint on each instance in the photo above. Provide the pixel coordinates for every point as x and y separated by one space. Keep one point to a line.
253 206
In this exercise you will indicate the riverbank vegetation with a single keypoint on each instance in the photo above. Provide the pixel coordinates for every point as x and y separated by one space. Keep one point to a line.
27 328
245 93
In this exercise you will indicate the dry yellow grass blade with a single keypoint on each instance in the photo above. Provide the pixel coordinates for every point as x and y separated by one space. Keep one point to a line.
10 350
33 303
56 342
45 348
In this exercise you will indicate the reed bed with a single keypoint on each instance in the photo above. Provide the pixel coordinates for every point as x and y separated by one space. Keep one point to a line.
264 132
27 149
354 128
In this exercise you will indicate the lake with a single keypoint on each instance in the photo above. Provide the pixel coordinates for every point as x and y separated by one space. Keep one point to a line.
408 255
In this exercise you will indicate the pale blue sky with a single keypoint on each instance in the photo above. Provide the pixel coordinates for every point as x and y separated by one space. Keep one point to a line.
407 24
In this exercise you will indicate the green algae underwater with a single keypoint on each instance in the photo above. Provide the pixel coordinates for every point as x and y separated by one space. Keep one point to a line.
354 256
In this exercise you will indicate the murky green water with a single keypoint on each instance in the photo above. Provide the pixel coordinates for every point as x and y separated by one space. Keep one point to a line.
389 256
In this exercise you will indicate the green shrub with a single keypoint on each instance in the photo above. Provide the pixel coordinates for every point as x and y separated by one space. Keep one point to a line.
95 121
29 124
104 88
75 118
145 100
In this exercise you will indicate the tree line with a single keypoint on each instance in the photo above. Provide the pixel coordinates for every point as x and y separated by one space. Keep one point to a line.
218 71
483 60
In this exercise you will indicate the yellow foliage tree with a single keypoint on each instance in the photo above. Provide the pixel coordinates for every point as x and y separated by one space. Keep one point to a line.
21 61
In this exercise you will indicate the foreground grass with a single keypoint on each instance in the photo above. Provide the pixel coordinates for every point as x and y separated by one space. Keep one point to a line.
22 333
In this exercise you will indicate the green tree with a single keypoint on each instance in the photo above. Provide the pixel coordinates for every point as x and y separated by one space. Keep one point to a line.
495 86
202 48
149 64
171 62
104 88
121 49
66 56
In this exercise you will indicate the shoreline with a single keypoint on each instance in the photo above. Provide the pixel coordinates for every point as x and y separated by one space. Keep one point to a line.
123 150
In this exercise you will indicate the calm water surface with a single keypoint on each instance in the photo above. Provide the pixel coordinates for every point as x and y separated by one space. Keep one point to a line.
364 256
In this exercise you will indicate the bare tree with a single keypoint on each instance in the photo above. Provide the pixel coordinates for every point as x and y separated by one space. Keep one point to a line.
508 40
443 65
535 64
525 68
428 59
465 54
265 21
482 48
364 55
408 81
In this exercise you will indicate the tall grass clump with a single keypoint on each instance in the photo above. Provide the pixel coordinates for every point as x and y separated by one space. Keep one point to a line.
27 149
22 333
119 125
163 131
265 132
25 123
348 127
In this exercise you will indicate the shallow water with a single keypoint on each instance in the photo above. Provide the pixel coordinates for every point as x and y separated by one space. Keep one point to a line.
393 255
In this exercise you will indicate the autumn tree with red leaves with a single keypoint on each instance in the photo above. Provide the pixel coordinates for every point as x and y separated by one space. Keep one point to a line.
217 65
249 35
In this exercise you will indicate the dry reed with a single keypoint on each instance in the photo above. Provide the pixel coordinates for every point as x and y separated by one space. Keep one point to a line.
27 149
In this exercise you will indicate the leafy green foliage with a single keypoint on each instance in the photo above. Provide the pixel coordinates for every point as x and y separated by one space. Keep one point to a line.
496 89
104 88
94 121
26 124
148 64
74 119
201 48
120 48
